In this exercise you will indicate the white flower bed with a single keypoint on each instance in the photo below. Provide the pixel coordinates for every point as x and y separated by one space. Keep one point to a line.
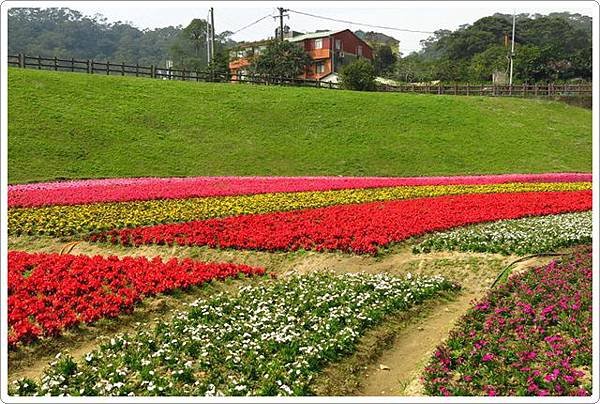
269 339
521 236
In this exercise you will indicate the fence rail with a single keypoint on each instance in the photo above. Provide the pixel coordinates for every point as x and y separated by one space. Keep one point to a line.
91 66
516 90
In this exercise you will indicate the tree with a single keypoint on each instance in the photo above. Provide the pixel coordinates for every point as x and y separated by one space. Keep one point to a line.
67 33
487 62
219 65
530 64
358 75
383 59
189 48
548 47
413 68
281 59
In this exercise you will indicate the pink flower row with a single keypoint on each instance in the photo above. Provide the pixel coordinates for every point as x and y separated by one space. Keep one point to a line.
132 189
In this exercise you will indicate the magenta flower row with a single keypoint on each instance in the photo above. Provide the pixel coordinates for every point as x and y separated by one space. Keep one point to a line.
530 337
133 189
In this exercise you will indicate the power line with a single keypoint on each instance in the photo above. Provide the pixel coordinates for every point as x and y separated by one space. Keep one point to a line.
359 23
251 24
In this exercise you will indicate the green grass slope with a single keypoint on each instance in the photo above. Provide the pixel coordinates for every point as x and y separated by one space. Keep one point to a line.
69 125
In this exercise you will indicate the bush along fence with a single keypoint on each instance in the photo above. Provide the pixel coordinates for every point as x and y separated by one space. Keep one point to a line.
91 66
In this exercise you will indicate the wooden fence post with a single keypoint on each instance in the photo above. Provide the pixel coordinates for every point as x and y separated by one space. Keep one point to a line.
468 86
440 88
137 70
39 58
55 64
90 66
152 71
21 60
72 64
122 68
107 67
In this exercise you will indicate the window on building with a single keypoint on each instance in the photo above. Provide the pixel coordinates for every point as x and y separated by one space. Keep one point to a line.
319 43
338 44
359 50
320 67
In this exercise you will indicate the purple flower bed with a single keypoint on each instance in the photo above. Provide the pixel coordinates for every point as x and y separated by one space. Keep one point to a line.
531 336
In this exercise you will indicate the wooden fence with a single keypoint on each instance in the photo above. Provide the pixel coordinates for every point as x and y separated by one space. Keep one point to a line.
91 66
516 90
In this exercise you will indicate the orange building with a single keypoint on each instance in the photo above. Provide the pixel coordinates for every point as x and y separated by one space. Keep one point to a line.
328 52
240 58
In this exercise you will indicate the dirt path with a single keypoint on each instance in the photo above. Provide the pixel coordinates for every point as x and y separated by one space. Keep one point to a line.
398 370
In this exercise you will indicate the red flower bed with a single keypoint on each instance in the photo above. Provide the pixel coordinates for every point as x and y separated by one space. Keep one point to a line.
49 292
360 228
530 337
133 189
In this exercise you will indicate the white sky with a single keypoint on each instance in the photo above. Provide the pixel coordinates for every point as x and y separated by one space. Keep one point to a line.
423 16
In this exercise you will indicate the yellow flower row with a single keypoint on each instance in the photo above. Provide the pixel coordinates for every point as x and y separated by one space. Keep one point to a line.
83 219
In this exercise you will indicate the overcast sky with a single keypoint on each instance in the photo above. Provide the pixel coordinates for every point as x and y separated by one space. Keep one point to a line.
421 16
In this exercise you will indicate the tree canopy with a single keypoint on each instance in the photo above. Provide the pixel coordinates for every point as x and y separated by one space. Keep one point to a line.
554 47
281 59
64 32
358 75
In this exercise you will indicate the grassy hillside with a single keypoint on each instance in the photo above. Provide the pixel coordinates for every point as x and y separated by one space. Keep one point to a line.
68 125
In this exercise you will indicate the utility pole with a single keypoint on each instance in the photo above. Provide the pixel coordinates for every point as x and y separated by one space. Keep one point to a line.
281 15
208 54
512 51
212 33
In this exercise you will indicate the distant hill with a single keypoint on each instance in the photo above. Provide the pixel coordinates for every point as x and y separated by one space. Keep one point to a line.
373 38
75 125
556 47
66 33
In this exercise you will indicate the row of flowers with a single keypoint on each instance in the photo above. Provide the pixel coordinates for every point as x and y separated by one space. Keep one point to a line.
531 336
530 235
48 293
132 189
267 339
83 219
361 228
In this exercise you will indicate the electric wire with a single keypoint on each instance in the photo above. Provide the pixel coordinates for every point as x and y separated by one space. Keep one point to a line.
251 24
359 23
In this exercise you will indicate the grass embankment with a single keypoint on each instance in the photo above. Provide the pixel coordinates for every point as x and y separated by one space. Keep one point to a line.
65 125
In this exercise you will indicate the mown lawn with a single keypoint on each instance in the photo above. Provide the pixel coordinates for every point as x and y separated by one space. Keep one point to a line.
71 125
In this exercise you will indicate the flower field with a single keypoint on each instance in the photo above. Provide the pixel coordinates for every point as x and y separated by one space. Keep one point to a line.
269 339
531 235
531 336
134 189
277 335
361 228
51 292
82 219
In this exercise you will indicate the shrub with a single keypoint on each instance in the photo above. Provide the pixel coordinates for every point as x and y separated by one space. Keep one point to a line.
358 75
